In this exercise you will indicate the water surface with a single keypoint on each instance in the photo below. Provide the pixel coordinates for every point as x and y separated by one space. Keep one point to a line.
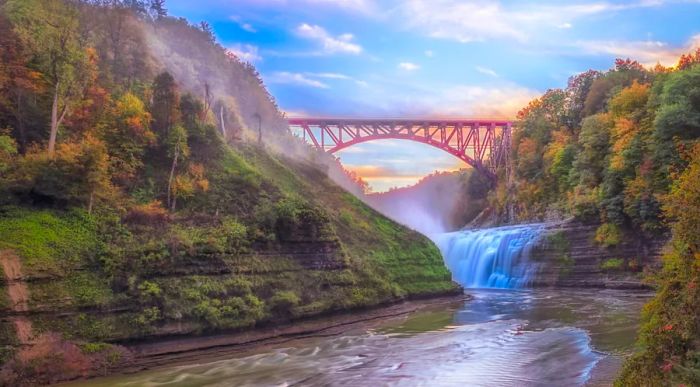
500 338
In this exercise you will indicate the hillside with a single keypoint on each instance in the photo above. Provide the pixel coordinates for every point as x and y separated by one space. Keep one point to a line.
618 151
136 201
439 202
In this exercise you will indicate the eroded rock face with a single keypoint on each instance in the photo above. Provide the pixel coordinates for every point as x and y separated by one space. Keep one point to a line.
569 256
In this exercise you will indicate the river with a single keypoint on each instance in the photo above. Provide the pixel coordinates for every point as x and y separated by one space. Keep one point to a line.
504 336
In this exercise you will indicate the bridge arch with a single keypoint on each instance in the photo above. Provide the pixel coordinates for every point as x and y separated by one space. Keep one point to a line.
482 144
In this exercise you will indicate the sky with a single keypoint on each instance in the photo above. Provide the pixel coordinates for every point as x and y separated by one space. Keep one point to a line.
434 58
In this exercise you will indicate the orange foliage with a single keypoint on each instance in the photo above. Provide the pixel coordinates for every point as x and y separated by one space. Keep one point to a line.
152 213
687 60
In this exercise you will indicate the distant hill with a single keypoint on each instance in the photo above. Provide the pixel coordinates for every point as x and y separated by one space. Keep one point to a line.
440 202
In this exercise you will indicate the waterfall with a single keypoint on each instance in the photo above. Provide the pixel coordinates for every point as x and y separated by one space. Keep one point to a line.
490 258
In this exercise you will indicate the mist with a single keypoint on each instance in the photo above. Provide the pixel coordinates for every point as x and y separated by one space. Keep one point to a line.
438 203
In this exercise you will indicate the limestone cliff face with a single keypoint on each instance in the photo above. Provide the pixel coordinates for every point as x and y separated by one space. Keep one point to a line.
569 256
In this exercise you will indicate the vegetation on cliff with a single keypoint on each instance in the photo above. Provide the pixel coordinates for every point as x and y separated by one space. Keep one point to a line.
621 148
133 215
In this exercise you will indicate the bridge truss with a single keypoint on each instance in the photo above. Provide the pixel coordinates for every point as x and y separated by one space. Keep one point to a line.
483 144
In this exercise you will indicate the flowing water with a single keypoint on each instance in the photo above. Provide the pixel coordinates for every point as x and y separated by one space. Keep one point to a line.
490 258
501 337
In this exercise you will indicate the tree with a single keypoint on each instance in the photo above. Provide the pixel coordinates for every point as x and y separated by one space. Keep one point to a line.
677 121
688 60
77 174
158 10
577 91
206 28
177 148
128 134
51 28
166 103
594 140
17 80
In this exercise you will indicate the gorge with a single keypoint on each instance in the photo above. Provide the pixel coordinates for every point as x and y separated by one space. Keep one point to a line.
164 222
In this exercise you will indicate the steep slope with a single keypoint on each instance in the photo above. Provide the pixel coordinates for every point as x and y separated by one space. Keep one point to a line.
159 213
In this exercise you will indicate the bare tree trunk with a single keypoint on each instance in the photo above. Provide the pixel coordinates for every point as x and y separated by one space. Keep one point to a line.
20 124
91 202
223 124
54 123
170 180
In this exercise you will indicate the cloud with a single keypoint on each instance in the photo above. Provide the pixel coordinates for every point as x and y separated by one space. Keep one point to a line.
328 75
487 71
338 77
364 6
245 26
488 19
370 171
429 53
502 101
246 52
287 78
408 66
330 44
647 52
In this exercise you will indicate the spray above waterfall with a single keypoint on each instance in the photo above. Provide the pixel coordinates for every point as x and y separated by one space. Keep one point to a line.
491 258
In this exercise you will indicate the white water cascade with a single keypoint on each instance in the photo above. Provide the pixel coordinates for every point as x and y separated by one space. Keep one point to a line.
492 257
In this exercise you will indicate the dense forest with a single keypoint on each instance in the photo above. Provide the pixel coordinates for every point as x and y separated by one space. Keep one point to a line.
143 194
620 148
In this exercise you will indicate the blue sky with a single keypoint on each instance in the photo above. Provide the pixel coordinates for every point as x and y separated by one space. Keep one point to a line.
402 58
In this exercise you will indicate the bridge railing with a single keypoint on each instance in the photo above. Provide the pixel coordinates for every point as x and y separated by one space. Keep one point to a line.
483 144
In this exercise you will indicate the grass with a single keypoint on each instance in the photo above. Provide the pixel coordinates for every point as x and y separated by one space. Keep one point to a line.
226 248
612 264
48 241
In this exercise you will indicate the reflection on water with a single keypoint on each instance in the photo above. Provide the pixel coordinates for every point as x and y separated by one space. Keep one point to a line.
500 338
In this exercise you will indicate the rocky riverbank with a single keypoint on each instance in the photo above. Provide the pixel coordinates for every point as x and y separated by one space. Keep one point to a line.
569 256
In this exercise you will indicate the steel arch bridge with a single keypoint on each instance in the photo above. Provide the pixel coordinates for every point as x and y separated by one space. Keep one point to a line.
482 144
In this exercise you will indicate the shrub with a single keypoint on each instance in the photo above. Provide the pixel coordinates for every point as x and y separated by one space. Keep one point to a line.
147 318
77 174
151 214
283 301
612 264
608 234
149 290
90 348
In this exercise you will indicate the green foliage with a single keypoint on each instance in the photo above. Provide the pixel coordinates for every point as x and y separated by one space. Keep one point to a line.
608 234
670 349
612 264
88 289
92 348
147 318
234 252
678 116
8 151
283 302
48 241
594 140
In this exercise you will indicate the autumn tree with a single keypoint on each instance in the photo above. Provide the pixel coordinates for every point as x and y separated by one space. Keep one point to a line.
17 81
128 134
51 28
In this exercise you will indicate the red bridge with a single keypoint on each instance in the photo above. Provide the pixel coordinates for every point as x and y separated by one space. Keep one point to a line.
483 144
